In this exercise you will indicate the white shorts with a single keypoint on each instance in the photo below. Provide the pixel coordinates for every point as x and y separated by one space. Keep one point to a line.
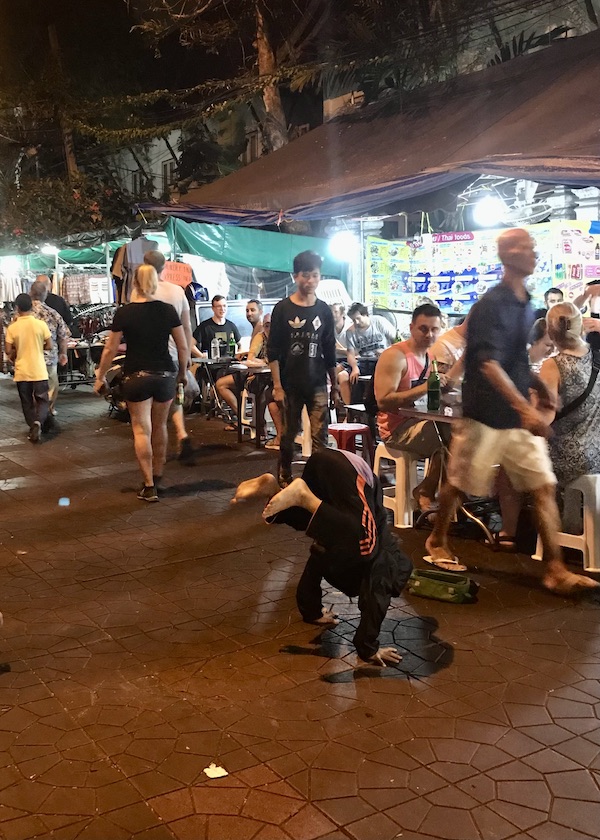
476 452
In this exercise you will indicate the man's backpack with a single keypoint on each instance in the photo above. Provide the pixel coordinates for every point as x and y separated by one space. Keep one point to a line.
443 586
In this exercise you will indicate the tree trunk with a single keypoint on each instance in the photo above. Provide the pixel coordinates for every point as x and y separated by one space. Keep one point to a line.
67 134
274 129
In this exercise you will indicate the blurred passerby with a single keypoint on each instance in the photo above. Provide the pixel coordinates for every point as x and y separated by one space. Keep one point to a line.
60 334
26 339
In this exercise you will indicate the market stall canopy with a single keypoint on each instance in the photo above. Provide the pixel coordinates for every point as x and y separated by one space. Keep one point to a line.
90 239
535 117
95 255
268 250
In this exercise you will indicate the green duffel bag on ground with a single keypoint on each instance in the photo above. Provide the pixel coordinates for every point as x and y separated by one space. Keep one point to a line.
443 586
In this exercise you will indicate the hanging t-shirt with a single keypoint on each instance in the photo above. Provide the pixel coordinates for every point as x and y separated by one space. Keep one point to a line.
146 328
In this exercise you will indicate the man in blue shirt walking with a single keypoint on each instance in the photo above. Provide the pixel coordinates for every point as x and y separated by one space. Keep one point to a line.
500 426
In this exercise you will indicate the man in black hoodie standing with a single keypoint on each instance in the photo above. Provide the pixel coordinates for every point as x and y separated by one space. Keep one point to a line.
301 352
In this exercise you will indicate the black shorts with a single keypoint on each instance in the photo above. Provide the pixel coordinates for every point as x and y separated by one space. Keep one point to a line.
146 385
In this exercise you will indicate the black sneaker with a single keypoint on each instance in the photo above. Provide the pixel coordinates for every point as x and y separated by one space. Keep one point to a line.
35 432
186 450
148 494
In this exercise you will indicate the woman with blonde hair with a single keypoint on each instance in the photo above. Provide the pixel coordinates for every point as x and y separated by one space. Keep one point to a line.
150 376
572 377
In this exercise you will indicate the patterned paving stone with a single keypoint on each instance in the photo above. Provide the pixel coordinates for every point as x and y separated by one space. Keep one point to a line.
146 642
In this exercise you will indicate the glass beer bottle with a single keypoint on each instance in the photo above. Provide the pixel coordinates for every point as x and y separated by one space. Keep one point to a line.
434 388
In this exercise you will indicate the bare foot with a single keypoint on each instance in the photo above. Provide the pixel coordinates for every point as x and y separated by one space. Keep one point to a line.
265 486
566 583
291 496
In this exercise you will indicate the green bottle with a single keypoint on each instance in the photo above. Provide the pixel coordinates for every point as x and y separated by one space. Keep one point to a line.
434 389
232 345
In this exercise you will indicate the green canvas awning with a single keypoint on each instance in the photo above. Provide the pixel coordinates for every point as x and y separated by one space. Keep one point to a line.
249 247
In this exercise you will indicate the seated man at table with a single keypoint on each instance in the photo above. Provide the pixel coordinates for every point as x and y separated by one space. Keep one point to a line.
218 326
401 379
256 358
341 325
254 316
226 384
366 339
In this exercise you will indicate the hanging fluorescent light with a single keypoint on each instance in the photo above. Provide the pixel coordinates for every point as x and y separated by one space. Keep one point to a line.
489 211
344 246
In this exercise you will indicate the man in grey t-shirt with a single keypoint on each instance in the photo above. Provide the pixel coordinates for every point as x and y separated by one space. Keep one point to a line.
366 339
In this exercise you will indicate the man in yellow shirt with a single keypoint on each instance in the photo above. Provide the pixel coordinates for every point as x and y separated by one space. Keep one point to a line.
26 340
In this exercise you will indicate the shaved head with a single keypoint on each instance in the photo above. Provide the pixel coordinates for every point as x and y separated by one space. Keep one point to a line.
516 252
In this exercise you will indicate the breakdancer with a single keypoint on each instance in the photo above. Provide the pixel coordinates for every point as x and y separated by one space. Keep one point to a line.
338 502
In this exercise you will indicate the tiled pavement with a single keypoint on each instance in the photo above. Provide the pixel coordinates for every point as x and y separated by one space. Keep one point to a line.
147 641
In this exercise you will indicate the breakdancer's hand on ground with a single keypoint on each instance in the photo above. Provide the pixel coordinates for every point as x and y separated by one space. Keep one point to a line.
385 656
327 617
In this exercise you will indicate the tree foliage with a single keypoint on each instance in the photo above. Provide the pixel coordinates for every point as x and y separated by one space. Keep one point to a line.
50 208
123 89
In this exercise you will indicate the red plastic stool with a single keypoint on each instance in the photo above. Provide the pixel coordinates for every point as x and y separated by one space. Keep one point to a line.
345 435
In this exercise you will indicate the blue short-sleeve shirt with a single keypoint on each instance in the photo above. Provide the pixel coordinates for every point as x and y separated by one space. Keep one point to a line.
498 329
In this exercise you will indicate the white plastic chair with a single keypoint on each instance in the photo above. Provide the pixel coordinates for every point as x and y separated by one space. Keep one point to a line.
399 499
588 542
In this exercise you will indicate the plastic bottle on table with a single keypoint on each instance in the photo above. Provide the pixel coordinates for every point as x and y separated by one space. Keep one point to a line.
215 349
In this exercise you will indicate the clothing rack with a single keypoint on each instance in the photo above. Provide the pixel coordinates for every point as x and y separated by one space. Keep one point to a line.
94 318
84 284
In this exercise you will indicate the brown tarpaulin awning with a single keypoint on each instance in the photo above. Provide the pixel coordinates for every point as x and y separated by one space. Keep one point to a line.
535 117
